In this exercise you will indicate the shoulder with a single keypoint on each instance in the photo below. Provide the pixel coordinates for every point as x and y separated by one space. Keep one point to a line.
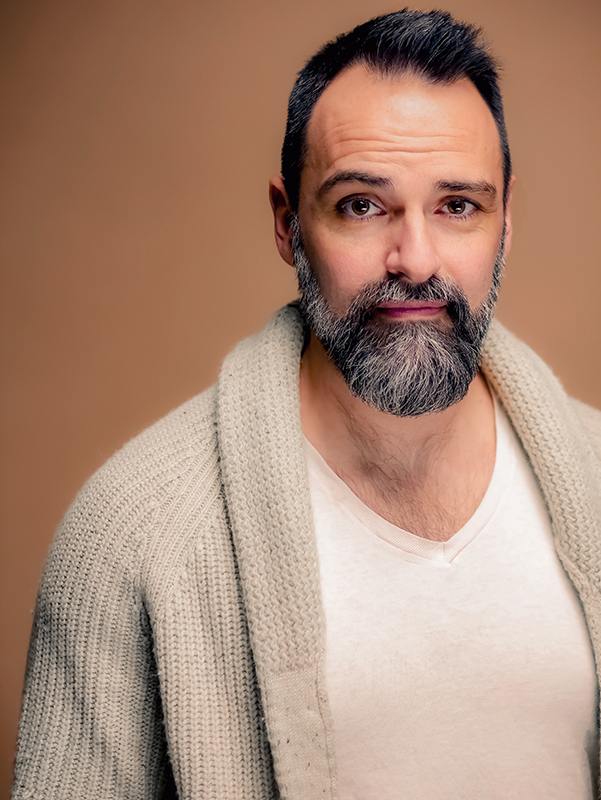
165 448
542 413
590 419
133 508
523 376
147 469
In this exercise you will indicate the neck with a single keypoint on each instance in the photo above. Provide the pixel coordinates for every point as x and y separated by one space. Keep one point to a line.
376 453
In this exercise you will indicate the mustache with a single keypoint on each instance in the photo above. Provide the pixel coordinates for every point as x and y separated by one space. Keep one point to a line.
395 290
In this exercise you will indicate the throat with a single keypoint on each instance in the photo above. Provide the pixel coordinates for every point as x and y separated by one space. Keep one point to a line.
433 507
426 475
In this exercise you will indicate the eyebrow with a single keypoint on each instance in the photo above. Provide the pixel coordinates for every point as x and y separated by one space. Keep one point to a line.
377 181
474 187
352 177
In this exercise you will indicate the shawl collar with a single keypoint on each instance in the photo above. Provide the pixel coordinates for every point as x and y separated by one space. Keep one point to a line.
562 458
267 497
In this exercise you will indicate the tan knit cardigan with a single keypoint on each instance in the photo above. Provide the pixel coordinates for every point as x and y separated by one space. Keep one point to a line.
178 639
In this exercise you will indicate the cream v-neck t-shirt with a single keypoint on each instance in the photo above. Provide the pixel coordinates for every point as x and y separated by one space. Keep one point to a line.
458 670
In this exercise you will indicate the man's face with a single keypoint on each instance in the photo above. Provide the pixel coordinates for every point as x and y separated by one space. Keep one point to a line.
401 178
402 220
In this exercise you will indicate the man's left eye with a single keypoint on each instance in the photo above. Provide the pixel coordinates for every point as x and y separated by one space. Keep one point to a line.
360 207
459 207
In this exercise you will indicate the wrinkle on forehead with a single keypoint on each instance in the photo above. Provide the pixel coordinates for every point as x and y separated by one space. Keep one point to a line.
374 115
389 141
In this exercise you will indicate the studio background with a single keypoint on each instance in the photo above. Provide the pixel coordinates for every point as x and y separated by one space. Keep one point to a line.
136 241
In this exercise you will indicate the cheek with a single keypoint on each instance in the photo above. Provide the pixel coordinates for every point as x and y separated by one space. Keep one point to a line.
472 269
340 272
345 278
336 277
476 284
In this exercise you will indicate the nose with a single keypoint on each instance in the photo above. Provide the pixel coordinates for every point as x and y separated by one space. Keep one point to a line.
411 253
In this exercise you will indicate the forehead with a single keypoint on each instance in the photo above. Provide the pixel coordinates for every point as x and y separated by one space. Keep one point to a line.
400 120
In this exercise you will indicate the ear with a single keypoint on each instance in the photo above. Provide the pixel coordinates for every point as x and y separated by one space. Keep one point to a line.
280 205
508 221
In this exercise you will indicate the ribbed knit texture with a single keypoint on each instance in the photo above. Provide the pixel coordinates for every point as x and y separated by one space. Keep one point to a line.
265 479
139 613
178 636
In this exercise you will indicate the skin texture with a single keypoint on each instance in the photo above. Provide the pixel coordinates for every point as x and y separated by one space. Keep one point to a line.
404 179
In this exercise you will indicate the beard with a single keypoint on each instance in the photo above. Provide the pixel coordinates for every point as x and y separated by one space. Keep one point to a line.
406 368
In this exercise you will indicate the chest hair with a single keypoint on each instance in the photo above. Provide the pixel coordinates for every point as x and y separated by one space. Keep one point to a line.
426 494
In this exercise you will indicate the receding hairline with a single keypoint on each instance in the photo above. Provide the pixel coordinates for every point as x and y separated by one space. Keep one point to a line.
391 74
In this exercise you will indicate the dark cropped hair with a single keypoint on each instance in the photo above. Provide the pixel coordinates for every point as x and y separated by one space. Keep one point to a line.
430 44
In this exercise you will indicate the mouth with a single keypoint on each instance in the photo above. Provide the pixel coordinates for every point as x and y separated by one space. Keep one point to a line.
411 309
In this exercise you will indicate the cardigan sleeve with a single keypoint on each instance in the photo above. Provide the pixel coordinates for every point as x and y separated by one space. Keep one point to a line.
92 720
140 674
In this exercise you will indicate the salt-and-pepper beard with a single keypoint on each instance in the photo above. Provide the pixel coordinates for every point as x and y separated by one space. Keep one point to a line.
405 368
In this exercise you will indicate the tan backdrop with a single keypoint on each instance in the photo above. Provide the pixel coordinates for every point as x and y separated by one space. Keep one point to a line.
137 139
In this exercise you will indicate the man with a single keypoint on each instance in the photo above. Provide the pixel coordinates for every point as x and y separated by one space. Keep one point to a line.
365 563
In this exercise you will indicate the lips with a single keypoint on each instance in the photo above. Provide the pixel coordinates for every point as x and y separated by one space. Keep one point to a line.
410 308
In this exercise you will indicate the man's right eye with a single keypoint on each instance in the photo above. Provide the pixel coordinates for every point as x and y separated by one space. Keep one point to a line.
359 208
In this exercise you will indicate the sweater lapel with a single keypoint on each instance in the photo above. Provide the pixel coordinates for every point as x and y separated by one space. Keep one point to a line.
562 459
267 496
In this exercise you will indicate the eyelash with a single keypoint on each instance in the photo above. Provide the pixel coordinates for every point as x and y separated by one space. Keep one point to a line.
466 214
347 200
